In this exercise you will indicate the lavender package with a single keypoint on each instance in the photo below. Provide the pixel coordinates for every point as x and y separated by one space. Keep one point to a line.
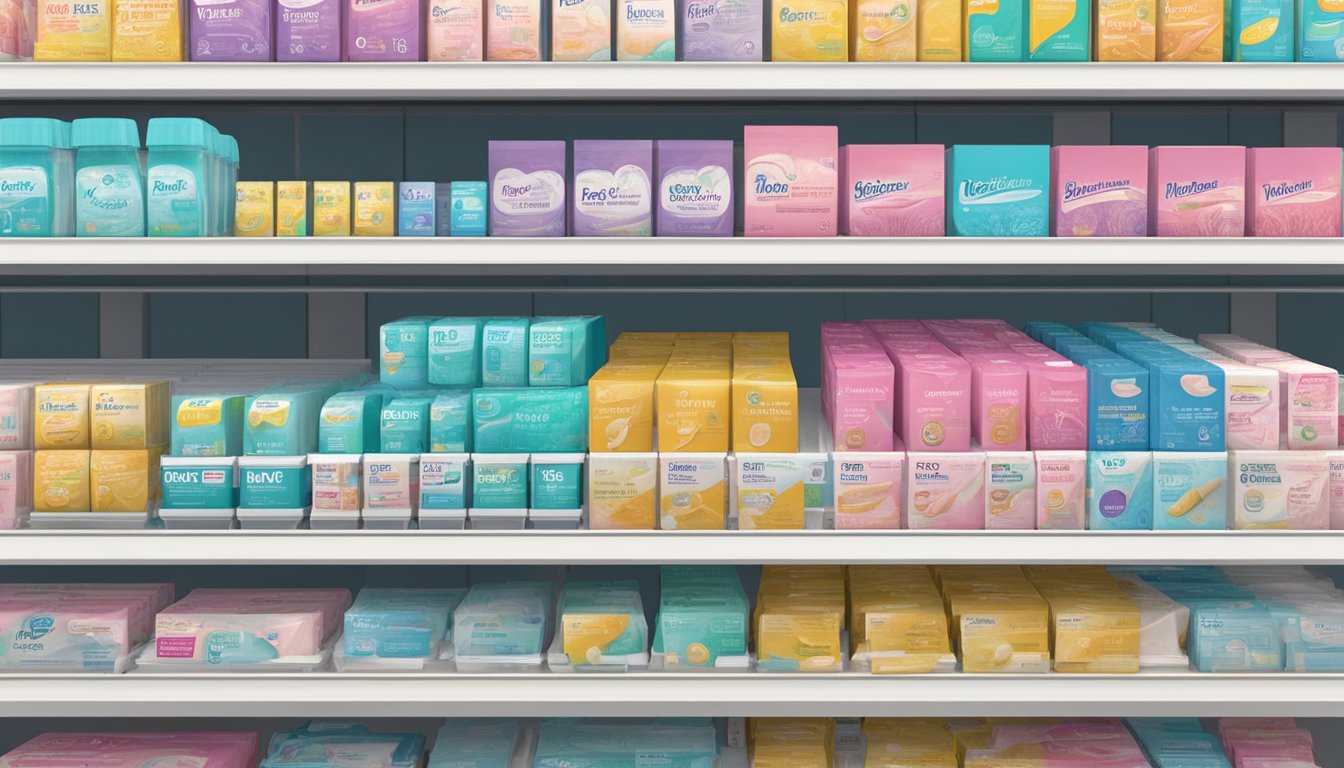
308 30
527 189
230 30
612 194
383 30
720 30
695 188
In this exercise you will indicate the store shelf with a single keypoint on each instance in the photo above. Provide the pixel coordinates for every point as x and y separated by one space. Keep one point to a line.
713 695
381 261
743 81
158 547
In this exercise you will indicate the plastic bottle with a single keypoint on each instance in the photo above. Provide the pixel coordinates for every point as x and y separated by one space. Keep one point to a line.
36 178
179 178
230 182
109 187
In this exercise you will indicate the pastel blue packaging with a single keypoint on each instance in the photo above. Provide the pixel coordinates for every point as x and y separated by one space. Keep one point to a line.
1230 636
503 619
207 425
278 482
1259 30
399 623
995 30
415 211
476 742
468 208
455 351
558 352
405 425
1319 33
350 423
443 481
109 182
403 353
283 421
1187 402
450 427
504 352
1117 396
1190 491
315 744
998 191
182 165
209 482
498 481
1313 633
1119 490
536 420
36 178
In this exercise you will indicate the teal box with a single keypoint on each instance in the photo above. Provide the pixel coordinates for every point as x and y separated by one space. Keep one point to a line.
399 623
443 481
557 481
499 482
415 210
702 616
403 351
1119 490
1261 30
998 191
282 422
450 427
504 352
996 31
405 425
279 482
1319 30
207 425
199 482
468 208
558 352
503 619
455 351
349 423
530 420
1190 491
1072 42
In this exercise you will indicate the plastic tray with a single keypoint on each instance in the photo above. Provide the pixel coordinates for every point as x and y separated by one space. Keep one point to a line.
443 519
658 663
844 659
272 519
555 519
147 662
89 520
198 519
497 519
443 662
523 663
387 519
558 661
22 518
333 519
881 663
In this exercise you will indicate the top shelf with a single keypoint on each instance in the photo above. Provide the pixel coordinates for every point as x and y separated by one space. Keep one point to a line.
685 81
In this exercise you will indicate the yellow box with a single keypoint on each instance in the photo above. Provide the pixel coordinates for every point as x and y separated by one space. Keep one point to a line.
620 406
74 31
61 481
772 491
939 33
1004 633
331 208
810 30
375 209
622 491
764 410
693 402
291 208
124 481
147 30
800 612
254 209
61 416
1190 30
1126 30
1098 633
125 416
882 30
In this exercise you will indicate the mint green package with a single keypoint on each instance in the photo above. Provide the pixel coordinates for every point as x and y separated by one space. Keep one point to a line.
499 481
536 420
349 423
504 352
557 481
283 421
702 616
207 425
996 31
630 743
405 425
559 353
450 428
503 619
455 351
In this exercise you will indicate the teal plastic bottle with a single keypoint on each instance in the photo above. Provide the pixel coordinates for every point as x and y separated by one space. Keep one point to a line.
109 188
230 183
178 181
36 184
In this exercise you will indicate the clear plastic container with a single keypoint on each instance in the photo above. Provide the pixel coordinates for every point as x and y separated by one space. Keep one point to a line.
180 177
109 187
37 170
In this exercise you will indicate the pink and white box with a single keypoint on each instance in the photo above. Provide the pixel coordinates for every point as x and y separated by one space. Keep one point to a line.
1293 191
892 190
1197 191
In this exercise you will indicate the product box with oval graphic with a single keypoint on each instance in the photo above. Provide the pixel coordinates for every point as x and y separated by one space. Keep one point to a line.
780 491
444 490
1010 490
1061 490
945 490
623 491
1280 490
868 489
693 491
1120 490
499 495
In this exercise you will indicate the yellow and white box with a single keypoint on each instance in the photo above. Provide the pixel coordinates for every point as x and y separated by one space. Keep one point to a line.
129 415
623 491
124 481
693 491
771 489
61 416
61 481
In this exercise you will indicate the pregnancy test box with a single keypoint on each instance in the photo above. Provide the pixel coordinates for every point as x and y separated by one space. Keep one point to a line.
1280 489
1099 191
1197 191
791 181
891 190
1293 192
1120 490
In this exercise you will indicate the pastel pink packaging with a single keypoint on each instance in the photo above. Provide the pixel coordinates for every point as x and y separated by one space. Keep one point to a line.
1057 403
945 491
1010 490
790 181
16 488
892 190
858 388
1308 392
1197 191
135 750
248 626
934 389
142 600
384 30
16 416
1335 489
1099 191
1293 191
999 394
1061 490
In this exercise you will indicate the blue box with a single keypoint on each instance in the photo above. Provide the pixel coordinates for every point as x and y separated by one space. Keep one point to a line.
468 208
998 191
415 216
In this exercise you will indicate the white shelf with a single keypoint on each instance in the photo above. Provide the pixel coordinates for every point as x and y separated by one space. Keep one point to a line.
712 695
664 256
160 547
557 81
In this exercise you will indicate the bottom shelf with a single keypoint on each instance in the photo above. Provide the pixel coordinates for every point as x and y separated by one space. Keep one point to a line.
667 695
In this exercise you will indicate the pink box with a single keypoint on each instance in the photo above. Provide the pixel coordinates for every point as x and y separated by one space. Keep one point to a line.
933 390
129 750
1099 191
858 388
1293 192
295 622
998 400
892 190
865 473
945 491
1308 392
1057 402
1197 191
16 487
790 181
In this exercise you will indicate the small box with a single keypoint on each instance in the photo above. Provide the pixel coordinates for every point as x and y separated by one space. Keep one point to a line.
415 217
331 208
291 208
468 206
375 203
254 209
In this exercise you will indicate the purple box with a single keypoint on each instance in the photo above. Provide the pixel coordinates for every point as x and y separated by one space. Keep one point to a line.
384 30
230 30
308 30
1099 191
612 194
695 188
527 188
720 30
